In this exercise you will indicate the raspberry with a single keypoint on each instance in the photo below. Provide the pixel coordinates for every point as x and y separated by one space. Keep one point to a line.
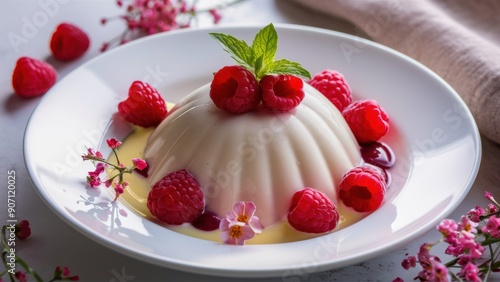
144 106
367 120
68 42
235 89
281 92
32 77
176 199
363 188
333 85
312 211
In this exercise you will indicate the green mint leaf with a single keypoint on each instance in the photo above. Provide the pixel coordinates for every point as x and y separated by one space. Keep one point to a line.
285 66
265 44
237 49
259 67
259 58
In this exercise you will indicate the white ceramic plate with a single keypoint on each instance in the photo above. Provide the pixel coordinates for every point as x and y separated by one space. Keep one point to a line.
433 135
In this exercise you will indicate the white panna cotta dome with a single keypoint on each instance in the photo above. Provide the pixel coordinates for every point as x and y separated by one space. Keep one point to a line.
259 156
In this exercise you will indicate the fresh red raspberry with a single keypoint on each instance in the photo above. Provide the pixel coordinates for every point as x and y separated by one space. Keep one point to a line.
176 199
144 106
68 42
312 211
367 120
235 89
32 77
332 84
363 188
281 92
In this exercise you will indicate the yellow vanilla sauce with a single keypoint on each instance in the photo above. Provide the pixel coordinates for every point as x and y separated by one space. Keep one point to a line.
135 197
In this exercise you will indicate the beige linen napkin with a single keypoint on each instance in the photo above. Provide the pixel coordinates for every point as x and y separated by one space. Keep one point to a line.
457 39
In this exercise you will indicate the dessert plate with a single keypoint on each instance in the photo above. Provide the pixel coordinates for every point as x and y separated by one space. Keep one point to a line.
433 135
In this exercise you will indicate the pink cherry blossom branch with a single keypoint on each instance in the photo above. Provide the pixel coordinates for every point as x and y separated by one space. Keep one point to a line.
154 16
96 157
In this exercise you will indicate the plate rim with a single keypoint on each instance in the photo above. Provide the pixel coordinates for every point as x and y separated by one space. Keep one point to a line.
221 271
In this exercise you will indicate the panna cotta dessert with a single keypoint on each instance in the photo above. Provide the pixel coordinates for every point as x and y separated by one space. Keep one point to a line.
262 149
259 156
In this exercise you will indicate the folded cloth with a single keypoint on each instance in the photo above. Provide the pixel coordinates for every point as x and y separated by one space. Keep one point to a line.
457 39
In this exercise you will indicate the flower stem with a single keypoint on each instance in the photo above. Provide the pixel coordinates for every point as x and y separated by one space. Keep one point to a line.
29 269
4 261
490 241
4 240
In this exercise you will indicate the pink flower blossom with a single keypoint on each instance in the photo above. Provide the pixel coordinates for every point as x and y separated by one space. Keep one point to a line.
115 179
155 16
63 273
93 181
465 248
93 178
139 163
235 233
448 228
119 188
21 276
216 15
492 208
467 225
476 213
438 271
240 224
64 270
464 244
423 253
113 143
468 245
472 249
92 155
99 168
432 267
492 226
22 229
488 196
409 262
104 47
470 272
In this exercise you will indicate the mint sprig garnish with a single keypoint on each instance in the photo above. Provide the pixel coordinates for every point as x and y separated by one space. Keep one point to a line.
259 58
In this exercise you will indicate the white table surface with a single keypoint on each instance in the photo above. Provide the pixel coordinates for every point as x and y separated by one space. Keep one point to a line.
55 243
